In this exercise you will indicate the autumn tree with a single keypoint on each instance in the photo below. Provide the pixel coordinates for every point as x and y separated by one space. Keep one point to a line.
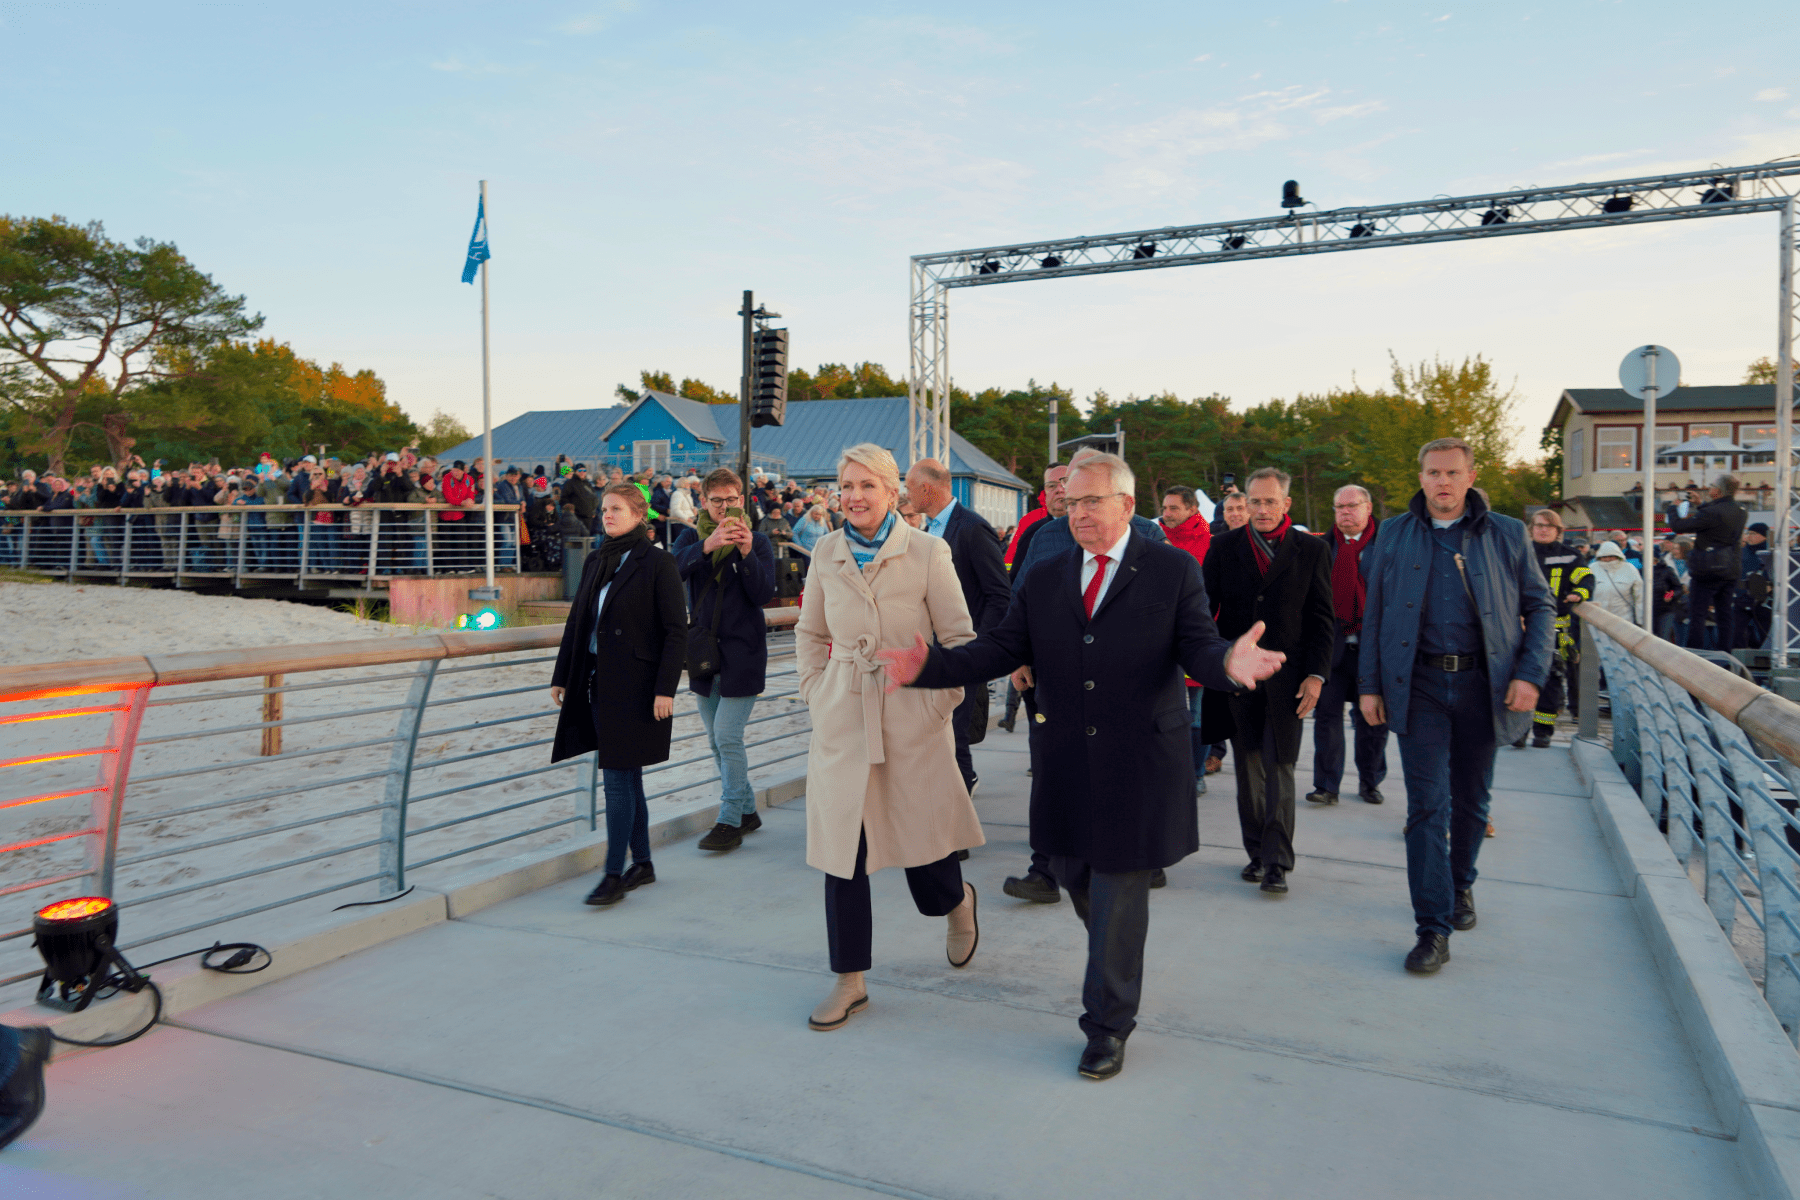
93 319
442 431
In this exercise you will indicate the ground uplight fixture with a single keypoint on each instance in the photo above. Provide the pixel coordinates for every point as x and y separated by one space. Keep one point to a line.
480 622
76 939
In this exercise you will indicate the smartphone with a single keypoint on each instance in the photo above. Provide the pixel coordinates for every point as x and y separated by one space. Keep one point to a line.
1229 479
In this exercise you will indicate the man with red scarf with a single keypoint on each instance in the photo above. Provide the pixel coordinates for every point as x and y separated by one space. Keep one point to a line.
1353 515
1269 571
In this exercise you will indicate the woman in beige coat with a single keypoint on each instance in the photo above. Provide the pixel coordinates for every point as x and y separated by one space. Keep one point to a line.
882 788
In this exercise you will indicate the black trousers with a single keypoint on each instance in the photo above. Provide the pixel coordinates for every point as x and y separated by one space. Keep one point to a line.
1550 698
1720 595
1114 906
1265 797
1328 732
850 920
959 723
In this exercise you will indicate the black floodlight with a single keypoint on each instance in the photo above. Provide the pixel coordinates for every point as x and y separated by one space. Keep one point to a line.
1362 231
76 939
990 267
1050 261
1290 194
1146 250
1236 241
1616 204
1722 191
1500 214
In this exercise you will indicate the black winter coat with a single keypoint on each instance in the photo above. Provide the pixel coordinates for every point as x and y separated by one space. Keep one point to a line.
747 584
980 566
1294 602
1112 765
643 641
1718 527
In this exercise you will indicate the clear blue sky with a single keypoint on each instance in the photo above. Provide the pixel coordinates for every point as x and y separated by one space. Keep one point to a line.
648 161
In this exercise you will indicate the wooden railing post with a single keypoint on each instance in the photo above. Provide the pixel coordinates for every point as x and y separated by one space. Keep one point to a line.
271 711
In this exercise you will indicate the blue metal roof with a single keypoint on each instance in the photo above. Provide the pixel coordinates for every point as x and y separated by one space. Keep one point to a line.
695 417
817 431
535 438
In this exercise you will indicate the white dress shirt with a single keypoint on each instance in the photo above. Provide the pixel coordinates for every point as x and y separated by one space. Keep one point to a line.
936 526
600 603
1113 555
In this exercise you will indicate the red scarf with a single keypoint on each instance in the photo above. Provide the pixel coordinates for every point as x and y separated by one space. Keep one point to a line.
1272 540
1348 590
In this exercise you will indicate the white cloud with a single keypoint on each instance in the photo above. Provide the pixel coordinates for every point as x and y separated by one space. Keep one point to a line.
1338 113
1203 58
1160 158
1440 20
1774 93
585 24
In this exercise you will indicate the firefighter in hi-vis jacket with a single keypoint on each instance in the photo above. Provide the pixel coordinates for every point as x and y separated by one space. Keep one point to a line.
1571 583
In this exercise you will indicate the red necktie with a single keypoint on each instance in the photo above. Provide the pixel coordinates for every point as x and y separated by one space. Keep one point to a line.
1092 595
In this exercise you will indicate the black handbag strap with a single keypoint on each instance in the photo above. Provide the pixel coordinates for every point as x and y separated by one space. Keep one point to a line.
718 602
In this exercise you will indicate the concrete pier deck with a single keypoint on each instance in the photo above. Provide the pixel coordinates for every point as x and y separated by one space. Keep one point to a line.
541 1049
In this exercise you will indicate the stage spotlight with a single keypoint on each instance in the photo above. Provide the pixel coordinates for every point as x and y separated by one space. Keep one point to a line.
1359 231
1236 241
75 938
1617 204
1498 215
1290 194
990 267
1722 191
1051 261
1147 250
480 622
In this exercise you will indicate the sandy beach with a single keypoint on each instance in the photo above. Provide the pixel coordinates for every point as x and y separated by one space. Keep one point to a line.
197 777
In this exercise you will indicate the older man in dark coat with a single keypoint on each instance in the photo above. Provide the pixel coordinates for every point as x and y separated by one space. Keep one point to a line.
1107 628
1270 572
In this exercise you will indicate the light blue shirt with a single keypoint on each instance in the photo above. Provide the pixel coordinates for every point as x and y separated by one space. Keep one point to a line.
935 526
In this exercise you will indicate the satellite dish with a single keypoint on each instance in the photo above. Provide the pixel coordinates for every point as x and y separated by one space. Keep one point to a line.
1646 362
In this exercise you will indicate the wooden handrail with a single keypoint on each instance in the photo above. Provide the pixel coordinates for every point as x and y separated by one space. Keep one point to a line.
206 666
1770 719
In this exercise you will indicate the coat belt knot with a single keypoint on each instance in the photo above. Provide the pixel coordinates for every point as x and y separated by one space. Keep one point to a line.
870 681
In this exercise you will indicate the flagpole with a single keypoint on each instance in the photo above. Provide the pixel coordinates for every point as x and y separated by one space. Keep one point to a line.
487 413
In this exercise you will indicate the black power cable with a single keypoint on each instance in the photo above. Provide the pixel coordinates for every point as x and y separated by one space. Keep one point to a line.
242 955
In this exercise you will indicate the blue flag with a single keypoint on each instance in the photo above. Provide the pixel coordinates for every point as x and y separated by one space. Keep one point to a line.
478 244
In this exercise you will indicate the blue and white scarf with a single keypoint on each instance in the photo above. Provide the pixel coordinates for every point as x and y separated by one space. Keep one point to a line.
863 549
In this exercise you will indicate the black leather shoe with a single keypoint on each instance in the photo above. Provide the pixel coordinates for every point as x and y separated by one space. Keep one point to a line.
962 856
1038 889
1005 723
1371 795
1251 873
722 837
1159 879
1464 916
22 1099
1432 952
1321 797
1274 880
638 874
1103 1058
750 822
1540 741
610 890
1520 744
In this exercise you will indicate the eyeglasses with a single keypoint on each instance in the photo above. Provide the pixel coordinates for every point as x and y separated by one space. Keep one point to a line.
725 501
1088 504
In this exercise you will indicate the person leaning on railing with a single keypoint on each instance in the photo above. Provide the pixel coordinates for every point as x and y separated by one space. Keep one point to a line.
615 678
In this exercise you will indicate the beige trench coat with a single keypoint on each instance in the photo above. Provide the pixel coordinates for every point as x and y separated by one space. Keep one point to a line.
881 763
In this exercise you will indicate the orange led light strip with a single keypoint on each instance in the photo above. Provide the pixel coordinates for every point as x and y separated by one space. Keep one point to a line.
67 712
86 791
67 754
45 841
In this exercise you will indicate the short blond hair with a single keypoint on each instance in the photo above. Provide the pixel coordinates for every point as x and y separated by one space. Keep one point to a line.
876 460
1119 476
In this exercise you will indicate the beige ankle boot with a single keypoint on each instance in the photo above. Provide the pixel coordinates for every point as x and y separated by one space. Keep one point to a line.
848 997
964 934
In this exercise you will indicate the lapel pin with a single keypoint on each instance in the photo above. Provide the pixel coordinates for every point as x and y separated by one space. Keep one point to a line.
1040 718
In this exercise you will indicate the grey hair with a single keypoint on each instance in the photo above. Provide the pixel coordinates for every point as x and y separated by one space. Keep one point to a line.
1449 443
1727 485
1119 475
1360 490
1276 473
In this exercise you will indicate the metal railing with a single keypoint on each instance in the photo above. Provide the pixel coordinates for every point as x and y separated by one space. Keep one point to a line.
257 543
1716 761
340 765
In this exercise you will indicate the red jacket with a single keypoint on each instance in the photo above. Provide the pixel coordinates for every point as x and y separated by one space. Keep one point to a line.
1026 522
455 491
1192 535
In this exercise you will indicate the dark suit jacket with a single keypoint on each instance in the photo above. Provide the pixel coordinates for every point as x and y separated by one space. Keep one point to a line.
980 566
643 641
1294 603
747 584
1112 766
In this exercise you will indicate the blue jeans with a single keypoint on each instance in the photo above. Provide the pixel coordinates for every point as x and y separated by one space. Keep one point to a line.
725 718
1447 755
1200 748
627 817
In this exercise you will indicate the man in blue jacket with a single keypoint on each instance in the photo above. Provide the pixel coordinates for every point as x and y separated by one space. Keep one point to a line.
730 574
1457 635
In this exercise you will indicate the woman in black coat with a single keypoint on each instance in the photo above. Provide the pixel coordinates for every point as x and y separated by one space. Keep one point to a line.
616 675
